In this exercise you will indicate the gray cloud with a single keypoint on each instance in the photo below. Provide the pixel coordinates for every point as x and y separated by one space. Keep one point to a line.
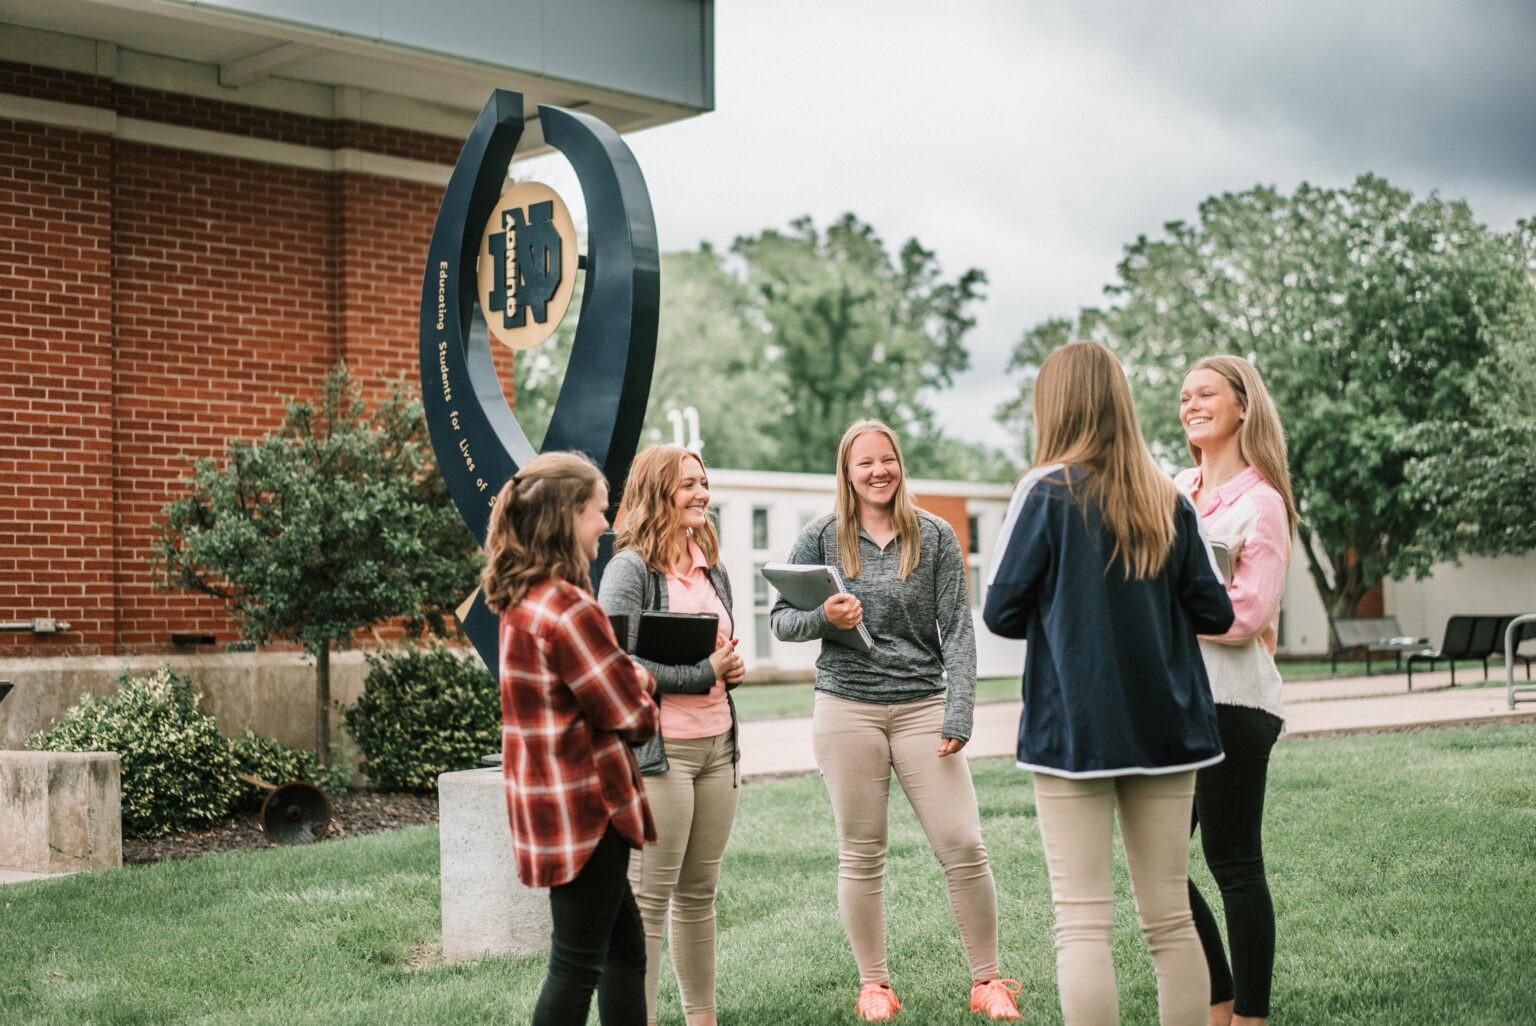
1446 88
1036 138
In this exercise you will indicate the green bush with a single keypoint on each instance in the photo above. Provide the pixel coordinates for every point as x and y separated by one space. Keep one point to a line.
270 761
178 773
424 711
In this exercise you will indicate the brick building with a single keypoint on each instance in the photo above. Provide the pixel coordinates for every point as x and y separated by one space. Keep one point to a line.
202 208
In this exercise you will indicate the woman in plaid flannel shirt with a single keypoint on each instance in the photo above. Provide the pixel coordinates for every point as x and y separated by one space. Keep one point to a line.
571 704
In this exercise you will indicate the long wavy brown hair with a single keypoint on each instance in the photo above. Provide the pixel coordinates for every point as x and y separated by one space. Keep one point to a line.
903 511
1260 437
532 531
1084 417
649 521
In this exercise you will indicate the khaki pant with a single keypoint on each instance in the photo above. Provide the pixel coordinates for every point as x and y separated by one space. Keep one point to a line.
694 804
858 744
1077 823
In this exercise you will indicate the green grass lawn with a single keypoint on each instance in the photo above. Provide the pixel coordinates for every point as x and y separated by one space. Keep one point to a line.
1401 867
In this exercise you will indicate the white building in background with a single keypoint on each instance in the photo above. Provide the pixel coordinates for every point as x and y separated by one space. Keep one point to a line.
761 513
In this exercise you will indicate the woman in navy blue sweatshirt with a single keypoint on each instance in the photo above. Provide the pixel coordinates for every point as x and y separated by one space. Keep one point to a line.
1104 571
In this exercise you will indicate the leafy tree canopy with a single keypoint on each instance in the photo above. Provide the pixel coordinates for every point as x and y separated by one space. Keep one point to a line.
782 343
333 523
1389 332
855 332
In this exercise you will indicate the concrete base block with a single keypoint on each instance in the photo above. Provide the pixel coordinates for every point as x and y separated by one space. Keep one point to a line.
486 909
60 812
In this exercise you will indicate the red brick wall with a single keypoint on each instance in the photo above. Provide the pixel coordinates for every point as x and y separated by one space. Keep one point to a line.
1371 603
226 286
55 387
952 509
379 221
156 304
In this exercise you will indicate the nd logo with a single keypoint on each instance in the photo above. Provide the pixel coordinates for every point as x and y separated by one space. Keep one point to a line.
525 278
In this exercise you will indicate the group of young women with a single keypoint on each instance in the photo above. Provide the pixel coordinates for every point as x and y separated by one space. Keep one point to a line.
1150 695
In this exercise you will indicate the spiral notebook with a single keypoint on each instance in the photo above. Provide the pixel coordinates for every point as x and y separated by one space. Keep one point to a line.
807 586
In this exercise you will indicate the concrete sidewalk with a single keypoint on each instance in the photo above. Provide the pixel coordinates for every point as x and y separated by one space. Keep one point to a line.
1315 708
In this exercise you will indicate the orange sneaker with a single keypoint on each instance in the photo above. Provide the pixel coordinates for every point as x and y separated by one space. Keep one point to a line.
877 1002
996 998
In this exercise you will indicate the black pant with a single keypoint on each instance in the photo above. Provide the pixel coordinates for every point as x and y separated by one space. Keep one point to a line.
1229 812
597 944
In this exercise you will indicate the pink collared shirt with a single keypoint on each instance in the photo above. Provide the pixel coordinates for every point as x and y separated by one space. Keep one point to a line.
706 715
1248 515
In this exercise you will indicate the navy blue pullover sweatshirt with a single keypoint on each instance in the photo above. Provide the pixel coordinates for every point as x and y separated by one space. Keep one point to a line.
1114 682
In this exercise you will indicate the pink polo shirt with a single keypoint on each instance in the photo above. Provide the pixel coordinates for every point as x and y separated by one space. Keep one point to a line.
706 715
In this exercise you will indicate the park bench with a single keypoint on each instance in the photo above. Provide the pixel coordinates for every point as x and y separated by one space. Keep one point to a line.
1374 635
1467 638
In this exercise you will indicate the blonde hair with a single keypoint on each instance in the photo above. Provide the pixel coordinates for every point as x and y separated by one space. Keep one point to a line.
1260 438
903 512
532 533
649 520
1084 417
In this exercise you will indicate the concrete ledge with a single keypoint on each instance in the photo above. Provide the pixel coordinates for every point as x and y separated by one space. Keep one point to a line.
486 909
272 693
62 811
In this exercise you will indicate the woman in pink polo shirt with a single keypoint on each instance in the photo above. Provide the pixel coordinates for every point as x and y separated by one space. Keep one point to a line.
1241 486
667 557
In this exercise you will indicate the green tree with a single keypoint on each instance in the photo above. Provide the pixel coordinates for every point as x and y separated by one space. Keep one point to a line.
855 332
783 343
333 523
706 358
1372 317
710 357
1017 413
1479 473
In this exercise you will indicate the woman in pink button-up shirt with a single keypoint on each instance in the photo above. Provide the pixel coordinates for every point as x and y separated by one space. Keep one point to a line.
1241 485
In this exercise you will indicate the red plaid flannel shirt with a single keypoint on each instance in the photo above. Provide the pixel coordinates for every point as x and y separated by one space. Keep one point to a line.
571 700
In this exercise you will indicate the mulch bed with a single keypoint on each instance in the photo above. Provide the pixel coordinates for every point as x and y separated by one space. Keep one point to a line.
353 814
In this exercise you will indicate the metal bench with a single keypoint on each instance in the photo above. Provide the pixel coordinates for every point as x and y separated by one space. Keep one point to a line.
1375 635
1467 638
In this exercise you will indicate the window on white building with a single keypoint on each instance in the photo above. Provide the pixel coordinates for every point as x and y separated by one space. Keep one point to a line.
760 528
973 559
762 603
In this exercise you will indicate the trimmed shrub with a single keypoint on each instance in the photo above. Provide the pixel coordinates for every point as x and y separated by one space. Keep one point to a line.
424 711
271 761
178 773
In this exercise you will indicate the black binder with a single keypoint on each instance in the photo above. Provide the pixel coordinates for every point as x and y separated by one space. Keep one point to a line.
676 639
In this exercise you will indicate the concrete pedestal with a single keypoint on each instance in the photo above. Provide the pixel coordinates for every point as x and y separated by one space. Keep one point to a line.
486 909
60 812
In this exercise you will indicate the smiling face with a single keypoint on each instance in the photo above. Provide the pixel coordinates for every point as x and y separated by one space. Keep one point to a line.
591 521
874 470
1209 409
691 496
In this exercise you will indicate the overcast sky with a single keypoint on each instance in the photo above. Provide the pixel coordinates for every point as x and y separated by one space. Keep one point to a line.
1036 139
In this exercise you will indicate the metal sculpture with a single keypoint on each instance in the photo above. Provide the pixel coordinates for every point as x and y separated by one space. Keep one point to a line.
601 406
